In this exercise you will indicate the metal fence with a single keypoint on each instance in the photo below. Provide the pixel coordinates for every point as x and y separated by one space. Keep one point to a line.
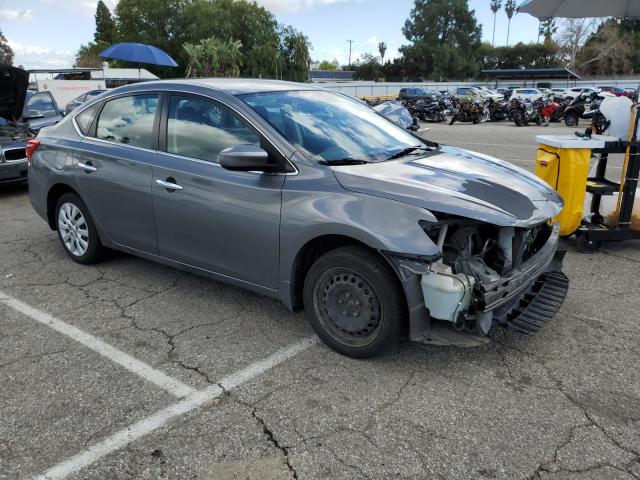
383 89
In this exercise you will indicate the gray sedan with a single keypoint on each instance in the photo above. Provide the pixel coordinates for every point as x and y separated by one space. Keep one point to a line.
307 196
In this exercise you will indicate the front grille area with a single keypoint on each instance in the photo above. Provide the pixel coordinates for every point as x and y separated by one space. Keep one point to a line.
14 154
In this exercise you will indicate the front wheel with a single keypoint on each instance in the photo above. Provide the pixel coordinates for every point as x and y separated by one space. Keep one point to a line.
354 302
76 230
571 119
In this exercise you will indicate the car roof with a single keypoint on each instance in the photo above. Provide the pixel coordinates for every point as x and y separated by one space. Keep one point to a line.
233 86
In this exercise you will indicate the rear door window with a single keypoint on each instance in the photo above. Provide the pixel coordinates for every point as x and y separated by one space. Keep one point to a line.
129 120
201 129
85 118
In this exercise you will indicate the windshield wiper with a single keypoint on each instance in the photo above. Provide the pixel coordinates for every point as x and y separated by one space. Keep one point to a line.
344 161
407 151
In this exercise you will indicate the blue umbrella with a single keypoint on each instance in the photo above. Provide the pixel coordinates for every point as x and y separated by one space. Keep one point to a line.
138 53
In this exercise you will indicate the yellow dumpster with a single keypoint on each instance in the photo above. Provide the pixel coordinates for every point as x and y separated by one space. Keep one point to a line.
563 162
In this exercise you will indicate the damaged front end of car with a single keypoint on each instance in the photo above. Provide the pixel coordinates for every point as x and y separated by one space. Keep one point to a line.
485 275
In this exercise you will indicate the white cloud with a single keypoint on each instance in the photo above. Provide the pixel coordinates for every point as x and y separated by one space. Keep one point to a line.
85 8
35 56
16 14
289 6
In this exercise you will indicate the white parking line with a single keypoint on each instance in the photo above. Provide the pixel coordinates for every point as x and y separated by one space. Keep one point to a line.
147 372
160 418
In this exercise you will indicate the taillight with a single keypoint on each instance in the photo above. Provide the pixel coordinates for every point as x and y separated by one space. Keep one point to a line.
32 146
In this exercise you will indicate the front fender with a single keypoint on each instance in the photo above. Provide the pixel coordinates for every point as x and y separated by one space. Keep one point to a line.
320 207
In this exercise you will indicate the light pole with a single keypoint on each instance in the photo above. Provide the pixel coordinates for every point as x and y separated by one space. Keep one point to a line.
350 42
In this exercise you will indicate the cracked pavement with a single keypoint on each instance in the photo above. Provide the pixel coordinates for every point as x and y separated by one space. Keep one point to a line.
562 405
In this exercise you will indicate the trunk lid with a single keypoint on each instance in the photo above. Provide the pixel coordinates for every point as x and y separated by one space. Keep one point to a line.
13 90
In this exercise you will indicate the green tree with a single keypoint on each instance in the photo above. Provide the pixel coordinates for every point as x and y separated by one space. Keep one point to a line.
213 57
87 56
367 67
154 22
6 52
294 49
532 55
382 48
327 65
547 29
510 9
105 26
495 6
445 39
254 26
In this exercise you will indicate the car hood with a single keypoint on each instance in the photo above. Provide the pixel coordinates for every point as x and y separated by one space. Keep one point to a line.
13 90
458 182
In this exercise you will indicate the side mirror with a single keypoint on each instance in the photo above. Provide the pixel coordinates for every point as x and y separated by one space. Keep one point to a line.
245 158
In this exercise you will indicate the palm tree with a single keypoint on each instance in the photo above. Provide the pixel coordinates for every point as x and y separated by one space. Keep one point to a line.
495 5
510 9
547 30
382 48
229 57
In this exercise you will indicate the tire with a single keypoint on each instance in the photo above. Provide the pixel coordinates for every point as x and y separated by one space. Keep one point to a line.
360 282
81 244
453 119
476 119
518 118
571 119
538 120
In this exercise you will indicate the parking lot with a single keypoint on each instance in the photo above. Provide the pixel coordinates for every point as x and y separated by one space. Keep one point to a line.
129 369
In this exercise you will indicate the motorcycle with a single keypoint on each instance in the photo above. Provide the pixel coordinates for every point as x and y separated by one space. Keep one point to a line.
498 109
524 112
467 111
428 111
550 110
577 108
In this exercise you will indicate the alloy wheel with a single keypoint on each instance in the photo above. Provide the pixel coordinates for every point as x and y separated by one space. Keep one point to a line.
74 230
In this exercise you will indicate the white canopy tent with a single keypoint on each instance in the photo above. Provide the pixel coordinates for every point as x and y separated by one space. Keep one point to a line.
546 9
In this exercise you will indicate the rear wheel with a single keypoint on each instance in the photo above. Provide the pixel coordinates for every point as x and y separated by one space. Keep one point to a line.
354 302
518 118
76 230
571 119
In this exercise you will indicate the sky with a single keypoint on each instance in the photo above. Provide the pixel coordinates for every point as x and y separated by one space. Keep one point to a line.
47 33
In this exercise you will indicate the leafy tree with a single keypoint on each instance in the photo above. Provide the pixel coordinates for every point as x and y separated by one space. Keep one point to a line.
532 55
87 56
609 51
327 65
294 48
367 67
254 26
495 6
6 52
382 48
445 39
154 22
213 57
105 26
510 9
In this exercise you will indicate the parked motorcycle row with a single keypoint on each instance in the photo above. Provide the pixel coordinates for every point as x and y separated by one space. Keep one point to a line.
521 111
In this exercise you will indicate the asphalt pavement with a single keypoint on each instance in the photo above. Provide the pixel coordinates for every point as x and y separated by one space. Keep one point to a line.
129 369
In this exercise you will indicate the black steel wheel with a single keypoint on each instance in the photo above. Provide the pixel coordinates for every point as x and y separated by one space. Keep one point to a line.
354 302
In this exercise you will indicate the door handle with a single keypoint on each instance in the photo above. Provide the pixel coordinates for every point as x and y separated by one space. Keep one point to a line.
87 167
169 184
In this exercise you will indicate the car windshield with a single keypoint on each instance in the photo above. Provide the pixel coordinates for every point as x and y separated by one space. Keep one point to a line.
330 127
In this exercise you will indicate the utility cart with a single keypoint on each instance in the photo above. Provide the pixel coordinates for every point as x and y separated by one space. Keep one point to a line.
570 178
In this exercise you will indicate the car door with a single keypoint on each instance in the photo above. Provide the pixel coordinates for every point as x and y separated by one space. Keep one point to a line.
113 167
208 217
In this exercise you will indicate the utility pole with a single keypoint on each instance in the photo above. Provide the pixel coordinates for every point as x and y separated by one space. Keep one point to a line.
350 42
